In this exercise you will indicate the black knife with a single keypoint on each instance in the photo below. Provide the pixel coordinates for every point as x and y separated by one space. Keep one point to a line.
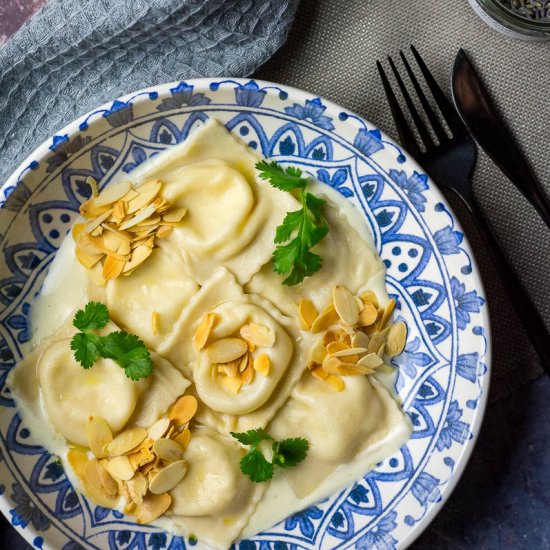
487 127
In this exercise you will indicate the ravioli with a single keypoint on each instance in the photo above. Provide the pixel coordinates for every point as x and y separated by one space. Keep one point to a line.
149 302
338 425
215 500
231 216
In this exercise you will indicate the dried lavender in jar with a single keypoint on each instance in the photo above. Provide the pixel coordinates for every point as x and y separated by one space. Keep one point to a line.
537 10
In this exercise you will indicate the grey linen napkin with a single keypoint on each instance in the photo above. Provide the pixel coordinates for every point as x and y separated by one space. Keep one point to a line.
74 55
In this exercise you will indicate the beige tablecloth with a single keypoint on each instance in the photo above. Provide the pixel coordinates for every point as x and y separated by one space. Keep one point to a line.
331 52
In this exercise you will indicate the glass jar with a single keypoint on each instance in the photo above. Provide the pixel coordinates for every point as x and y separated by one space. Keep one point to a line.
503 19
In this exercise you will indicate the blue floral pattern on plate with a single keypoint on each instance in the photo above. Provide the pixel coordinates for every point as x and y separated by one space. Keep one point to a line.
443 374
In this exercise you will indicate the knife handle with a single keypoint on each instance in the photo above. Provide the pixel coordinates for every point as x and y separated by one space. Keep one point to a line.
526 182
526 310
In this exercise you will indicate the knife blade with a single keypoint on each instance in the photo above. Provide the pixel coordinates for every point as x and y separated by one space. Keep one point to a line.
480 115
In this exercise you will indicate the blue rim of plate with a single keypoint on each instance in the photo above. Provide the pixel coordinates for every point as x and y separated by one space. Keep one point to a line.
443 375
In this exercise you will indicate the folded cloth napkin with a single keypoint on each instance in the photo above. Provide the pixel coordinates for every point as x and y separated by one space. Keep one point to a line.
76 54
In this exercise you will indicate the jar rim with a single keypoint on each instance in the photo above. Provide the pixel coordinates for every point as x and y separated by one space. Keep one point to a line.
519 22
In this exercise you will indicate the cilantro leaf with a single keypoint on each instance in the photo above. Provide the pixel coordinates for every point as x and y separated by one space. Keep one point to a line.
256 466
301 230
86 349
94 315
290 452
251 437
283 179
286 453
128 351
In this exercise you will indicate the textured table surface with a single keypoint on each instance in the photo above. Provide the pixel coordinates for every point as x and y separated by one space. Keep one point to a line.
503 497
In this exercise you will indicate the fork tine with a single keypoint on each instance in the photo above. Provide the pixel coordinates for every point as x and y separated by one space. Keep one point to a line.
406 136
432 117
421 127
447 110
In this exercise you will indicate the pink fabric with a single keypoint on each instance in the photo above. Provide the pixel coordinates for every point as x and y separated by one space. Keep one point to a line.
13 13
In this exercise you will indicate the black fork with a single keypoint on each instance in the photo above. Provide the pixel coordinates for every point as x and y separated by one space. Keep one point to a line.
450 161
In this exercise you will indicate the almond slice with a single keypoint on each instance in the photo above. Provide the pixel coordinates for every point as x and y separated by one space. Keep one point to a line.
175 215
139 255
183 438
90 210
232 384
325 319
112 268
368 316
331 364
99 435
110 486
168 449
336 382
370 297
139 217
137 488
260 336
77 229
319 373
93 185
155 322
376 341
230 369
203 330
247 375
145 196
354 370
390 306
159 428
86 258
335 347
113 193
262 364
126 441
96 222
184 410
397 337
112 241
307 312
152 507
164 231
119 210
120 467
372 360
319 353
226 349
349 351
345 305
78 459
359 340
168 477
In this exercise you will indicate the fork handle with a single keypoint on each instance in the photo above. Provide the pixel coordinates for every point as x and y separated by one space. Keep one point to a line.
526 310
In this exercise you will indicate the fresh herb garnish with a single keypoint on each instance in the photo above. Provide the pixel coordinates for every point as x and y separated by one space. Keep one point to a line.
304 228
286 453
125 349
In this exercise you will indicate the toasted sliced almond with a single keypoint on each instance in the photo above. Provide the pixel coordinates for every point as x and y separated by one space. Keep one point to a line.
112 268
112 241
110 486
226 349
262 364
359 340
319 373
260 336
350 369
78 459
370 297
137 488
96 222
113 193
372 360
345 305
247 375
77 229
360 304
325 319
390 306
168 477
99 435
119 210
126 441
168 449
244 361
159 428
175 215
336 382
183 438
87 259
99 496
368 316
90 210
230 369
307 313
203 330
144 197
184 410
120 467
319 353
335 347
330 336
376 341
93 185
139 217
152 507
397 337
348 352
139 255
331 364
164 231
232 384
